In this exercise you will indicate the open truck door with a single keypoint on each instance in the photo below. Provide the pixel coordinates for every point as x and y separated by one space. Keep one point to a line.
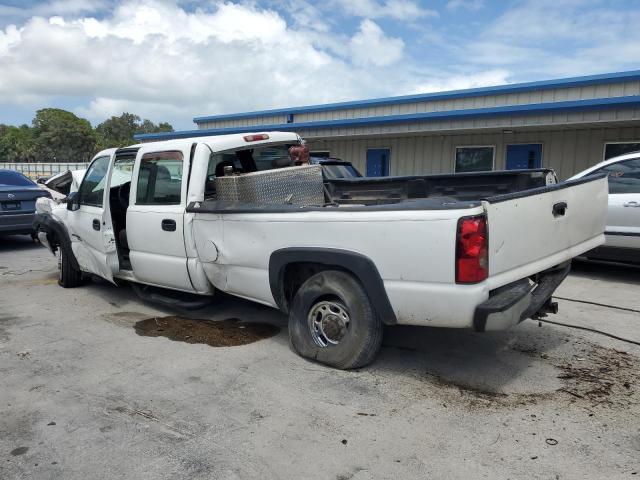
89 220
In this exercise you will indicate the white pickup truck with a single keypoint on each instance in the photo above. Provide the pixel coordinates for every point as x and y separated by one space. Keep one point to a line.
342 257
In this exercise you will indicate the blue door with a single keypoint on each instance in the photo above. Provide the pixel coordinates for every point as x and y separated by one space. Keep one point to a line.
524 156
378 162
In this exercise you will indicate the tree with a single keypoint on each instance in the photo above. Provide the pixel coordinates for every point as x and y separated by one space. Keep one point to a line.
119 131
17 144
63 137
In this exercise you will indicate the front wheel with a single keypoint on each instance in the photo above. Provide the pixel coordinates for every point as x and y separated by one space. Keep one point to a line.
332 321
68 276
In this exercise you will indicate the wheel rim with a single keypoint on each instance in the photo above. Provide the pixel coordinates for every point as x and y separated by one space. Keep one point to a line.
328 323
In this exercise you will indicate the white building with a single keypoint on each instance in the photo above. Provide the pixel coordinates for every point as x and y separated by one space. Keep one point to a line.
567 124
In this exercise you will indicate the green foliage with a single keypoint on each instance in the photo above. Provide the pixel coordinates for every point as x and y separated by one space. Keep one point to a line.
60 136
63 137
119 131
17 144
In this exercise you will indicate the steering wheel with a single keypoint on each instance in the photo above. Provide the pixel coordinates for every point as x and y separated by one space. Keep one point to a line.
123 195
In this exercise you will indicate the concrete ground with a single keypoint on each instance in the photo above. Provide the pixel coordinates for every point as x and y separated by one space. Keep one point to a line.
82 396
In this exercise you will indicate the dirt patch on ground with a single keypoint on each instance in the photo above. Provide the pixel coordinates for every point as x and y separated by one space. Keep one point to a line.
49 279
225 333
595 377
601 376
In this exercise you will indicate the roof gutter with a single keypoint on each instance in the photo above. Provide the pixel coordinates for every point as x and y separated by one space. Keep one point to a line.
632 101
422 97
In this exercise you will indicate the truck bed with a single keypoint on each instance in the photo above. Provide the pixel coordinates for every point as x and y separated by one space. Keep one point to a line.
416 192
458 186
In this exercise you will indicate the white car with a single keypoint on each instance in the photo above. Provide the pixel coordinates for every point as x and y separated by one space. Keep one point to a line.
341 257
623 218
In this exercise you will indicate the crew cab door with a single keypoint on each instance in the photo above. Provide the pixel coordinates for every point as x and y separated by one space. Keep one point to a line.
89 227
155 219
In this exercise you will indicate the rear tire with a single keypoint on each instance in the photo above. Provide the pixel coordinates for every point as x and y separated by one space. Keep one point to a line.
68 276
333 322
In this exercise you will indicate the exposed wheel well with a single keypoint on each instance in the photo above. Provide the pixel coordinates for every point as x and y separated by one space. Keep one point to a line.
289 268
296 273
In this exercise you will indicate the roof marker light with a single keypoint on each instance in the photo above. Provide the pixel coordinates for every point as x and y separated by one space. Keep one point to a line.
256 137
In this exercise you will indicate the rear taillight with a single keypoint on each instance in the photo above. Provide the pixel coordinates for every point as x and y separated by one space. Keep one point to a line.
472 250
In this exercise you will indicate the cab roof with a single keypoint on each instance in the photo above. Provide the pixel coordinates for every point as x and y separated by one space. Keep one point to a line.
220 143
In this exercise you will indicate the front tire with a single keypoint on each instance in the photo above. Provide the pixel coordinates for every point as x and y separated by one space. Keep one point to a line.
68 276
333 322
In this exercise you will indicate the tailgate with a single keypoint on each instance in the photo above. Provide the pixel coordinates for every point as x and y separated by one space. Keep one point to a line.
538 228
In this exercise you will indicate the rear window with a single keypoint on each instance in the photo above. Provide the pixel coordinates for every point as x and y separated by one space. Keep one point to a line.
14 179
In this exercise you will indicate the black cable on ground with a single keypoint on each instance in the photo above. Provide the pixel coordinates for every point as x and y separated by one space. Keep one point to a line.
598 304
591 330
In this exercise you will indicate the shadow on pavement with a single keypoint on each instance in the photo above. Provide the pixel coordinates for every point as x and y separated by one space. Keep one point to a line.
12 243
618 272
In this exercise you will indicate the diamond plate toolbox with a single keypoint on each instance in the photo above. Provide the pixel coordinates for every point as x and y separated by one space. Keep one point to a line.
301 186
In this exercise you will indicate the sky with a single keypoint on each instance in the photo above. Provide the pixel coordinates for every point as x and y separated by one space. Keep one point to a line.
172 60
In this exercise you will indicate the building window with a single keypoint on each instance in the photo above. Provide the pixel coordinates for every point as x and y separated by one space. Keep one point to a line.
614 149
320 153
474 158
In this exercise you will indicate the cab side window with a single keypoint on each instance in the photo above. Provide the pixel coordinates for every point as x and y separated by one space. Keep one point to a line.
160 179
91 191
624 177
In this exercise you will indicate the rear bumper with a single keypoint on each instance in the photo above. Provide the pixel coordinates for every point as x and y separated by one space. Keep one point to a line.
509 305
17 223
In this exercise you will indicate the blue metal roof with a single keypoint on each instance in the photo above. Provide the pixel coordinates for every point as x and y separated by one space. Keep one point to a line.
471 92
632 101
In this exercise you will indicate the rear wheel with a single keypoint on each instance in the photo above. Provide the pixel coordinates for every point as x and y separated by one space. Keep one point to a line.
68 275
332 321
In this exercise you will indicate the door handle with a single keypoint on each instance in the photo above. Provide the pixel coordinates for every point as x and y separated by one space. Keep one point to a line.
631 204
168 225
559 209
96 224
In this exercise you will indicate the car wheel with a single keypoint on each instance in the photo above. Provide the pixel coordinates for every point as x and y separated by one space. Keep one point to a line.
68 276
332 321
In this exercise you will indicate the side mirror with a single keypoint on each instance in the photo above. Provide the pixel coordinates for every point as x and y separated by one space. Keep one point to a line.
73 201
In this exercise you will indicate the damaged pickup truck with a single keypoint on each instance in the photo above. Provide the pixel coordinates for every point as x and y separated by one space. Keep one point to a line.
341 257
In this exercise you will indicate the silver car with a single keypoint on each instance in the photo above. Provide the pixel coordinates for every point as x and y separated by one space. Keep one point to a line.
623 218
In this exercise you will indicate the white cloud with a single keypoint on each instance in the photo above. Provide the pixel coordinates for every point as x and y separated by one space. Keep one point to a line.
155 59
397 9
550 39
370 46
472 5
461 82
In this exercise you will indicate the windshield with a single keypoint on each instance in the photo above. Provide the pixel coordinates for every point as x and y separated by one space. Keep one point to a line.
14 179
332 170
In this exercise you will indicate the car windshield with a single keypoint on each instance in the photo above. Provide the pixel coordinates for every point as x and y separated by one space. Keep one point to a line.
14 179
333 170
